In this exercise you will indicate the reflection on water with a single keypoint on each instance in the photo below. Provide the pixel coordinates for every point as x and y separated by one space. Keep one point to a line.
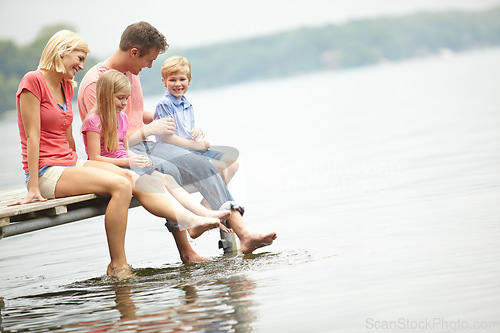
213 296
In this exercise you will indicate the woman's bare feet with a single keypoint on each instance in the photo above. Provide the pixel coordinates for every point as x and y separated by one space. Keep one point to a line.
210 223
121 272
253 240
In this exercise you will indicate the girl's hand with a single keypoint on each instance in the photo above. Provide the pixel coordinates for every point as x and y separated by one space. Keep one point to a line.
139 161
197 133
32 196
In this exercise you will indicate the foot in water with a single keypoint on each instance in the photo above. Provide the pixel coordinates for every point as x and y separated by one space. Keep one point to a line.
193 258
254 240
211 223
121 272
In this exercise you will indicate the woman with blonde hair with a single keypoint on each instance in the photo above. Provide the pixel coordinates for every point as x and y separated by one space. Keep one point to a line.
52 167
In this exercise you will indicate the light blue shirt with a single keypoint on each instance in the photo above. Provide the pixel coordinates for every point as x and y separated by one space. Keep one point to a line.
180 110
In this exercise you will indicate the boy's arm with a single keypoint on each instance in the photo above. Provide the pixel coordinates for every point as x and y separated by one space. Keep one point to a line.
197 133
163 112
186 143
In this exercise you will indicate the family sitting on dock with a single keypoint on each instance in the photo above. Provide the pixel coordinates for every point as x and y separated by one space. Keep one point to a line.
122 159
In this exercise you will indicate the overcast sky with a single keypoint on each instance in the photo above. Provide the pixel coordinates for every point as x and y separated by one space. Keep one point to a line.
190 23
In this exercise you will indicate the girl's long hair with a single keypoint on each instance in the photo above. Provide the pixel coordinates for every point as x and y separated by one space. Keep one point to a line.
108 83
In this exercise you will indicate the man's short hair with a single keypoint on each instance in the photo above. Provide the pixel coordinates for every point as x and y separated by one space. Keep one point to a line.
144 37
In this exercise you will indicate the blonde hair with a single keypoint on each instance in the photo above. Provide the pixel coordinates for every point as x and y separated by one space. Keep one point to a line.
107 85
174 65
62 42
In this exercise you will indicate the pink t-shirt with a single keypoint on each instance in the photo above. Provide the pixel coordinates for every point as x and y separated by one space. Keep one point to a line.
93 124
54 147
87 95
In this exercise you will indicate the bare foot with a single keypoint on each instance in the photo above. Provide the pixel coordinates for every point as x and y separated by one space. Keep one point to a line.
197 231
121 272
254 240
220 214
193 258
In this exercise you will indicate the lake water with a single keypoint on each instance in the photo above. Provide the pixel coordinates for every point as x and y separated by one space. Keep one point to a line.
383 184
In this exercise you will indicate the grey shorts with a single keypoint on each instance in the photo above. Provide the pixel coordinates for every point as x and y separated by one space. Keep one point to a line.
48 181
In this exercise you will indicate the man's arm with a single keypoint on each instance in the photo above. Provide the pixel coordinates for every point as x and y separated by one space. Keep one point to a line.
86 99
147 117
165 126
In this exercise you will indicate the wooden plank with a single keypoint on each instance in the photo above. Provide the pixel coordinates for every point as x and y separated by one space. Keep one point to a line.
15 220
4 221
12 194
60 210
57 206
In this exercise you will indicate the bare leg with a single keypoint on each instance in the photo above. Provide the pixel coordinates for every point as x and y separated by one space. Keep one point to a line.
93 179
226 167
185 199
231 171
162 205
186 252
153 196
250 240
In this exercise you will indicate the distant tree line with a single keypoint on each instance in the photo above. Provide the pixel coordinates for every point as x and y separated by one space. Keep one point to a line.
18 60
305 50
355 43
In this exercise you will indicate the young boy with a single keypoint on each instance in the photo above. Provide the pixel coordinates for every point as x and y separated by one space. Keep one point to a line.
176 77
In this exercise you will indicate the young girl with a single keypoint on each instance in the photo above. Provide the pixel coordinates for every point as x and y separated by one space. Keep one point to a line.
104 134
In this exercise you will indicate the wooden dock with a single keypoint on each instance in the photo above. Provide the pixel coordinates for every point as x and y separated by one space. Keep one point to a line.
20 219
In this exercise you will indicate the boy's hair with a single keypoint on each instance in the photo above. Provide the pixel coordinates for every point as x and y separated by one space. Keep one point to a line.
107 85
176 64
144 37
62 42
